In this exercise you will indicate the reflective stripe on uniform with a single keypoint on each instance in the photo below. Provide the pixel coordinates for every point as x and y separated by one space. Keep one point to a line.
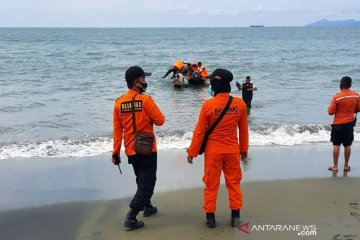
353 96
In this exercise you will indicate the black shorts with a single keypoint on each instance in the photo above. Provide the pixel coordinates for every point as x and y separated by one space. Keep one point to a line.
248 102
342 134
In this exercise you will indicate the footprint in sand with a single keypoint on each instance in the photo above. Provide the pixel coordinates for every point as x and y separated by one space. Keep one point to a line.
356 215
345 237
336 237
94 236
352 236
354 205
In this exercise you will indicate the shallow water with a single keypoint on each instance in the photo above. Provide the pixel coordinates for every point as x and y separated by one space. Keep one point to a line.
42 181
58 85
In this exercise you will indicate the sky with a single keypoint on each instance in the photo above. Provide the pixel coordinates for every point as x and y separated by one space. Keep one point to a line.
169 13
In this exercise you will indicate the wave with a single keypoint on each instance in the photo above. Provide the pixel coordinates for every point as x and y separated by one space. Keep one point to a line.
285 135
57 148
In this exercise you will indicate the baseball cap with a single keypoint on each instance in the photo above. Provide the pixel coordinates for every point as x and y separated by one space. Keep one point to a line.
135 72
221 74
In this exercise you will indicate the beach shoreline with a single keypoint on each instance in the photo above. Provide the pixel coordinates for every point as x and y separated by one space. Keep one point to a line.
87 198
31 182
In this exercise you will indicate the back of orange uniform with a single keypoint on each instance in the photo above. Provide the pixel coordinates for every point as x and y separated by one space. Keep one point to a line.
343 105
203 72
192 68
179 65
224 137
146 113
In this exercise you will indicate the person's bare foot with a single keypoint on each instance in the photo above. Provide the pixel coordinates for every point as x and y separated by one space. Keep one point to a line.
347 169
333 168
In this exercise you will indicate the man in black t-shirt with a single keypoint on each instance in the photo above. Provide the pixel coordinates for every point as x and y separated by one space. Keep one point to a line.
247 89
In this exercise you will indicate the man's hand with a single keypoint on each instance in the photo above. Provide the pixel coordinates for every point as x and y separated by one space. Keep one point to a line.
243 156
238 85
116 159
190 159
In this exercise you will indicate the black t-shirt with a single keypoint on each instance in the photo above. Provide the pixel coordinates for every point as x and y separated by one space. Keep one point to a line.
247 95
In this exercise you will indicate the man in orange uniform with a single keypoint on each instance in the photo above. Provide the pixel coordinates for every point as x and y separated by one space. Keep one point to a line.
177 68
223 149
147 113
344 104
202 70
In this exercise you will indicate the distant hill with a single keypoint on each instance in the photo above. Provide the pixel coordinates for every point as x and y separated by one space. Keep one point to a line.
338 23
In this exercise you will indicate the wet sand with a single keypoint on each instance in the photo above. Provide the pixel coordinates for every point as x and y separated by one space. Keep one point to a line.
304 194
332 205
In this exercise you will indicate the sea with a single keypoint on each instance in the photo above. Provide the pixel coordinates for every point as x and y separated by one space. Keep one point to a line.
58 85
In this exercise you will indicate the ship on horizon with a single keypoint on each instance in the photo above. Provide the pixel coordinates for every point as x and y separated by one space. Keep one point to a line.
257 25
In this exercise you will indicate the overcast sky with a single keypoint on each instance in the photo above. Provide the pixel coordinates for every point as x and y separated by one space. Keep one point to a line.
170 13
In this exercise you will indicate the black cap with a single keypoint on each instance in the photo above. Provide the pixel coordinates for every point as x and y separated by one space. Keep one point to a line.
135 72
221 74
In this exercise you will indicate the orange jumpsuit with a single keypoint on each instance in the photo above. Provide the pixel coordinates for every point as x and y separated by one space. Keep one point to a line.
146 113
222 152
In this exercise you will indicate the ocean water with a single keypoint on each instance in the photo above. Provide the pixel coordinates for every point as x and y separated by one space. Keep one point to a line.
58 86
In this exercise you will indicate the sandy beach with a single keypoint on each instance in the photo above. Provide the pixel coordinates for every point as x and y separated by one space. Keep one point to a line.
60 75
283 187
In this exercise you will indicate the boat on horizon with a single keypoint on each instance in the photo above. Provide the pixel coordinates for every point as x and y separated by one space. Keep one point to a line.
256 25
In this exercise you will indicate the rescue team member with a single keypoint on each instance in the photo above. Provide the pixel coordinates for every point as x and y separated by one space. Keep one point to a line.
202 70
247 91
344 104
223 149
177 67
147 113
192 69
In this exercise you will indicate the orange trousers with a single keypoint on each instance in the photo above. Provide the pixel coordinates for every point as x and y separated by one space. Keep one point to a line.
214 164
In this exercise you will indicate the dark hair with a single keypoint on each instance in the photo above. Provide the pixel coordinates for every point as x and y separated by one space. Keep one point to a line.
247 77
345 82
220 87
199 63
